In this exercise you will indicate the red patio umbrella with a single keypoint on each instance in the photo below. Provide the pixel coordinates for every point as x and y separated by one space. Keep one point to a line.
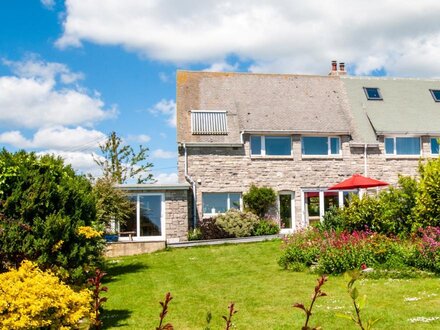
357 181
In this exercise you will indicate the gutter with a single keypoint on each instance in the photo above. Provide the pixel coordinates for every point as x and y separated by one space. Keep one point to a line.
191 181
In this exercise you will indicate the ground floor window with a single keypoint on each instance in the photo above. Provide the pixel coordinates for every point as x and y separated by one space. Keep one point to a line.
148 218
435 146
317 201
215 203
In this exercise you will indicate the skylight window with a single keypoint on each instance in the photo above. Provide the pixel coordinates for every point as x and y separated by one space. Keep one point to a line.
435 94
372 93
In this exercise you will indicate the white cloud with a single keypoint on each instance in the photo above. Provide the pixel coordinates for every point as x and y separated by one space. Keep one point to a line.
141 138
165 108
81 161
34 98
57 138
164 77
160 153
222 66
279 36
166 178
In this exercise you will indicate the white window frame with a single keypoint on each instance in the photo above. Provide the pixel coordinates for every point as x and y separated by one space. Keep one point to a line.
292 210
228 203
263 145
138 217
329 147
321 192
395 154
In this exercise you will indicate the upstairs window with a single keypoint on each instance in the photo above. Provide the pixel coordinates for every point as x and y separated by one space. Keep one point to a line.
372 93
262 145
435 94
204 122
402 146
320 145
214 203
435 146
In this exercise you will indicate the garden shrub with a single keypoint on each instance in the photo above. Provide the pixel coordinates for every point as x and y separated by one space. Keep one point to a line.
33 299
259 200
210 230
426 255
389 213
427 209
332 252
237 223
266 227
43 203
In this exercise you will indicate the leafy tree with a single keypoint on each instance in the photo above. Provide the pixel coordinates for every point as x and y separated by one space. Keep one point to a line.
43 206
259 200
121 163
427 209
111 203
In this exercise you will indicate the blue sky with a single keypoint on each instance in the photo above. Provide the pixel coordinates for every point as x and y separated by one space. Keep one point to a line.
72 71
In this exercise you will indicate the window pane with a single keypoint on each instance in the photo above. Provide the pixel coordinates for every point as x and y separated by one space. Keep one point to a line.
215 203
278 145
389 146
334 146
331 199
286 210
315 145
436 94
130 223
255 145
372 93
150 215
434 146
234 201
407 146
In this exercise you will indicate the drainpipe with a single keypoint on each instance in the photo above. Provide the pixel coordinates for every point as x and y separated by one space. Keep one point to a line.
365 160
193 185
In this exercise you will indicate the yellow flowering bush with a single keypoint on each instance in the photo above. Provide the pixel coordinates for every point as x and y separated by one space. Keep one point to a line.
31 298
89 232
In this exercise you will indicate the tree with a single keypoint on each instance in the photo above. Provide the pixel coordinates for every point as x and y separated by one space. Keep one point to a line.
121 163
259 200
46 214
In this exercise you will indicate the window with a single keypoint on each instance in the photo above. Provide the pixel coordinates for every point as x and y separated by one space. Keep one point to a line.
435 94
214 203
372 93
209 122
271 145
402 146
434 146
147 218
321 145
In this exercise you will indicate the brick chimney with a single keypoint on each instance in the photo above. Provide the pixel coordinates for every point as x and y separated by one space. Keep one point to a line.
334 71
342 71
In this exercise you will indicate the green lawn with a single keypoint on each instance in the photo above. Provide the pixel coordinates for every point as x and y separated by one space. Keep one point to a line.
206 279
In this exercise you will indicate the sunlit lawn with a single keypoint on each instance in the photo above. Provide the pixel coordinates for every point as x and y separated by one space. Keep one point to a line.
207 279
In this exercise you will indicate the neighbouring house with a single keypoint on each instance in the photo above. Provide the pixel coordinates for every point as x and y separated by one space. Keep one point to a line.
298 134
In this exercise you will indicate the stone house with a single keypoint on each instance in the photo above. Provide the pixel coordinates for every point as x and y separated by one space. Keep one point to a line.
298 134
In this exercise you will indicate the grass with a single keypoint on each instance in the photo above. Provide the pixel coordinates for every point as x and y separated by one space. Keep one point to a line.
207 279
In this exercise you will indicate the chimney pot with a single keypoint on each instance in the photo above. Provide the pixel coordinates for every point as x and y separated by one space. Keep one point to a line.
334 65
342 67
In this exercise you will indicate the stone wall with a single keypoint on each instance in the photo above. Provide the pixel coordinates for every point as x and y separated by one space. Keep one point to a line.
231 169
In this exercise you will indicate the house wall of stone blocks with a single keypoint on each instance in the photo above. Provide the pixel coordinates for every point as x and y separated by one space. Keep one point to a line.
232 169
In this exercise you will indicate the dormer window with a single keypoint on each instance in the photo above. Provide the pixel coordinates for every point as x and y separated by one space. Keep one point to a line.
373 93
209 122
435 94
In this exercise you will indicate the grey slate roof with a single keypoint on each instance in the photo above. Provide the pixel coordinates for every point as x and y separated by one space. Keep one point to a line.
304 104
407 107
262 103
